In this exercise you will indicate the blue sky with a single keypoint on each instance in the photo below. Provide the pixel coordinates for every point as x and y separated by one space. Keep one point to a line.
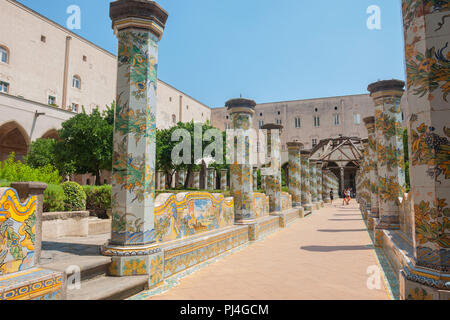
267 50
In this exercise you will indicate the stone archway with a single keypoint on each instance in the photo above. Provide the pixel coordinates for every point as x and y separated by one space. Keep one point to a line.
51 134
13 138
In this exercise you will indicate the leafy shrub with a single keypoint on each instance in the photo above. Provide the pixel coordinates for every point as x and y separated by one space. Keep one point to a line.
11 170
74 196
98 198
54 198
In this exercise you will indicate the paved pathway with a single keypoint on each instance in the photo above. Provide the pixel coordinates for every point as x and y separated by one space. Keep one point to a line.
324 256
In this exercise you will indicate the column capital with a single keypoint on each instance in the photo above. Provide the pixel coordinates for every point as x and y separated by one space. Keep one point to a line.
272 126
140 14
386 88
241 105
295 146
305 152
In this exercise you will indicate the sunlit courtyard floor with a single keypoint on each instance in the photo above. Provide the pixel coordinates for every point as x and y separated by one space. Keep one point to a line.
327 255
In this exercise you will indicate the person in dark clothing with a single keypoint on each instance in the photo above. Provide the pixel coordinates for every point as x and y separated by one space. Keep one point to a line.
331 196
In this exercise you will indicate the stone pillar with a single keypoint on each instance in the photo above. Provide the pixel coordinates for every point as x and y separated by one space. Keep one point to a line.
326 186
273 181
373 171
196 183
211 179
306 194
255 179
181 178
241 112
295 173
139 26
390 159
319 182
223 179
427 32
162 180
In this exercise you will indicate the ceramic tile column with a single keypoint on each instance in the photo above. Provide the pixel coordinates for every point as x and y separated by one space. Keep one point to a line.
241 112
313 183
390 158
365 181
255 179
138 26
273 181
196 183
295 173
211 179
181 178
162 180
373 171
326 186
306 193
319 182
427 32
223 179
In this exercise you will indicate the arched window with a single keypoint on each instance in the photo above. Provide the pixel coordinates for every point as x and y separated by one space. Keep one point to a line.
76 82
4 54
174 119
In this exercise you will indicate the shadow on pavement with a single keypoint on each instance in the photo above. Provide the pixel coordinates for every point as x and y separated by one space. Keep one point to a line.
335 248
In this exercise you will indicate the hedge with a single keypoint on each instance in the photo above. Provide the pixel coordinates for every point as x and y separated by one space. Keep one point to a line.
74 196
98 199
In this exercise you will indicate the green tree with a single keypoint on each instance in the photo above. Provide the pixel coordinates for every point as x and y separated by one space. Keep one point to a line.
87 142
165 145
42 153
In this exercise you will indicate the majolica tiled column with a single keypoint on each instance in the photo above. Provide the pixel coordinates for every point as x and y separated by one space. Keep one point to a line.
326 186
390 159
295 173
319 182
373 172
181 178
139 26
241 112
223 179
196 180
365 172
162 180
255 179
427 33
211 179
313 182
306 193
273 181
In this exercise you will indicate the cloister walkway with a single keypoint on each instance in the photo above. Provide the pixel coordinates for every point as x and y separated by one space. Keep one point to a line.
323 256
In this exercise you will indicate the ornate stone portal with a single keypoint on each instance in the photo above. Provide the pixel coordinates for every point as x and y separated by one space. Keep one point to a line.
139 26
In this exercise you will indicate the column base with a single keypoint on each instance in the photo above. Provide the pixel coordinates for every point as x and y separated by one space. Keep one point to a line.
316 205
307 208
421 284
135 261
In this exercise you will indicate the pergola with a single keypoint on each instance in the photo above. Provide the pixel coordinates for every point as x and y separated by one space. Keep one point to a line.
342 156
